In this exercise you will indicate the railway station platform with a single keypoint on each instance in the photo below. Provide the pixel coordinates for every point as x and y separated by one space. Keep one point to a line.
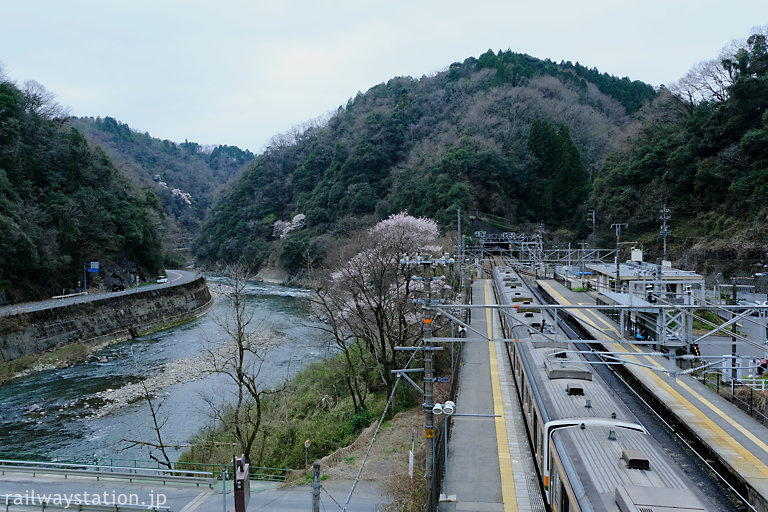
737 440
495 446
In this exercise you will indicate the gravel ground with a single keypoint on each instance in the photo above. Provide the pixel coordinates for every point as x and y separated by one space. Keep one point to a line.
180 370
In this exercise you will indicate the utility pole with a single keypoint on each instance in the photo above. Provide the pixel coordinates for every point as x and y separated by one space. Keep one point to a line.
429 379
664 217
592 215
618 227
428 263
581 260
461 259
224 490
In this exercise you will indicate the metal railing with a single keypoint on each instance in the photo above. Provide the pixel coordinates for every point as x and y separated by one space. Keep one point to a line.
105 465
753 404
163 475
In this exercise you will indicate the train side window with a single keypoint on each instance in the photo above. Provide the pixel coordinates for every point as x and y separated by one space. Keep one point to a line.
535 433
540 434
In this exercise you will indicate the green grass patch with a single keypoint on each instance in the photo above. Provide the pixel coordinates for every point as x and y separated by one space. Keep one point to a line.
709 316
315 406
61 356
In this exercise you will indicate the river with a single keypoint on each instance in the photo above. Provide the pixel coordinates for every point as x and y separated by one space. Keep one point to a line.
88 409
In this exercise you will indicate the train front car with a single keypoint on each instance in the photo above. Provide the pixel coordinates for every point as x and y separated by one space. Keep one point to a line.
589 447
599 468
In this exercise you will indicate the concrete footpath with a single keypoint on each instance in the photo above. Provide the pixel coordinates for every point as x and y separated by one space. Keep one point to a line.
489 465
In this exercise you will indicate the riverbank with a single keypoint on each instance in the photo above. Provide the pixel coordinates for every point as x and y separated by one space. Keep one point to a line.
62 334
66 401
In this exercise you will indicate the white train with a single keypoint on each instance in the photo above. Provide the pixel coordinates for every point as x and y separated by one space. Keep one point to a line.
591 452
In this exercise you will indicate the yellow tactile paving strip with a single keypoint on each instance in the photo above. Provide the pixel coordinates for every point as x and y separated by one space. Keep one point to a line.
735 454
584 314
505 462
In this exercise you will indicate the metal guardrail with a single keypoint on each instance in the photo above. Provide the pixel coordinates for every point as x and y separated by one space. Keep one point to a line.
113 472
46 502
212 470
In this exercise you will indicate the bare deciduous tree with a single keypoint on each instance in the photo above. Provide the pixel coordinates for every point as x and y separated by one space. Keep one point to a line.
706 81
157 426
710 80
240 356
39 100
331 305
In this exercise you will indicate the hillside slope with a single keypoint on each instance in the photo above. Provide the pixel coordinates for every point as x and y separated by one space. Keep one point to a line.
702 152
461 138
185 177
63 203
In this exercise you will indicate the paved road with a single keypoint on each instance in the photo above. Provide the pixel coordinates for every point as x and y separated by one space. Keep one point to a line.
186 498
175 277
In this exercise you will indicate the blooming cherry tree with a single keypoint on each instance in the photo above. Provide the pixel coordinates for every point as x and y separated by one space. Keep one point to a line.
372 302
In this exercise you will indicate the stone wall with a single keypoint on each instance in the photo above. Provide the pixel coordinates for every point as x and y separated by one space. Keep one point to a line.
104 319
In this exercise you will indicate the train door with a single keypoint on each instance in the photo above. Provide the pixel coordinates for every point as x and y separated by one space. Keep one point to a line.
565 503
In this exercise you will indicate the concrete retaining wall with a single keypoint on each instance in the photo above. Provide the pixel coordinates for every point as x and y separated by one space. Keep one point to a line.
108 318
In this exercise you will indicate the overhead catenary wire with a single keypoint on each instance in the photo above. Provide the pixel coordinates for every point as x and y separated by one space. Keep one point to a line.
682 439
597 354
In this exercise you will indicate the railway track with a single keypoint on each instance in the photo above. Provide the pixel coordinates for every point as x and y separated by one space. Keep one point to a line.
569 456
683 449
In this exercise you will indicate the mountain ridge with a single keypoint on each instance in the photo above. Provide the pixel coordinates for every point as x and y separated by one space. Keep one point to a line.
185 176
429 146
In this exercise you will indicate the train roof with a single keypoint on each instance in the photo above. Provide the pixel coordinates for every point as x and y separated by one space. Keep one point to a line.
566 385
626 466
607 456
564 380
515 293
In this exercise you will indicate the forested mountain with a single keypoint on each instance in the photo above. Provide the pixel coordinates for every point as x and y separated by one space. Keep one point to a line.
703 152
63 203
185 177
504 133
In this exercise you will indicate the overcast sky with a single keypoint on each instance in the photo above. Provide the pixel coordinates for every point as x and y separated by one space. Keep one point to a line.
239 72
